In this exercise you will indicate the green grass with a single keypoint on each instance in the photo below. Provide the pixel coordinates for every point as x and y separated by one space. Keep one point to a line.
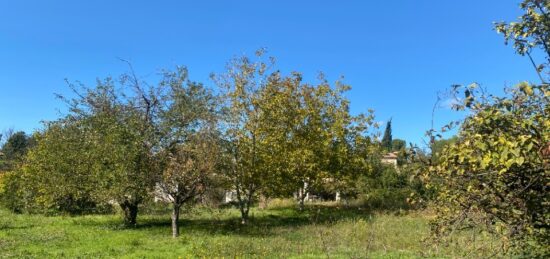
321 231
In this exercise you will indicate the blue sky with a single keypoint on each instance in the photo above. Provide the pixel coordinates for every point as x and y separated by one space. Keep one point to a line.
395 54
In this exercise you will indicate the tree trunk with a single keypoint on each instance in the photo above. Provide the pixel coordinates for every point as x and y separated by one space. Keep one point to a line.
245 209
175 219
301 199
244 205
130 213
302 194
244 216
338 196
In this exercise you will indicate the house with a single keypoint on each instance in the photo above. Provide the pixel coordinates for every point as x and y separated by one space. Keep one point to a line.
390 158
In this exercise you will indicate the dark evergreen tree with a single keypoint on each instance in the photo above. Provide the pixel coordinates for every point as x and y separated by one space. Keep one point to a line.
387 139
14 148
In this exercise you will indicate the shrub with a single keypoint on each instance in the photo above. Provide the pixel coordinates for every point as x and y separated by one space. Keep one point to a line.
279 203
387 189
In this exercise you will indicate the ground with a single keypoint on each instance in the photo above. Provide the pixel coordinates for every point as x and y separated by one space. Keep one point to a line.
322 231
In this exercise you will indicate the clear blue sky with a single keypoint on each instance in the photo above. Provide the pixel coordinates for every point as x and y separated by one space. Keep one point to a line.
396 54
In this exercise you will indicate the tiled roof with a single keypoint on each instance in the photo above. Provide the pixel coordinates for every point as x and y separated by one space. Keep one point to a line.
390 156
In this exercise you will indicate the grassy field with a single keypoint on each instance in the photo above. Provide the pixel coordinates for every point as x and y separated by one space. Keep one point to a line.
321 231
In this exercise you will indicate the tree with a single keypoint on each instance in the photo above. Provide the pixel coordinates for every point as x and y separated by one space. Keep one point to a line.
530 33
495 176
241 88
187 171
16 145
279 103
61 155
121 123
282 135
398 145
354 155
14 149
190 143
310 135
97 152
320 147
387 138
118 141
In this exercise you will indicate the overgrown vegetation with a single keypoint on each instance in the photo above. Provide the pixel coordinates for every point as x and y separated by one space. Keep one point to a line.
493 177
319 231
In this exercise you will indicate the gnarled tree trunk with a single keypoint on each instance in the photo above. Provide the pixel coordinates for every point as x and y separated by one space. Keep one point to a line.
130 213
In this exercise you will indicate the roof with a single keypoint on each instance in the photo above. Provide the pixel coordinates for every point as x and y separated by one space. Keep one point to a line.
392 155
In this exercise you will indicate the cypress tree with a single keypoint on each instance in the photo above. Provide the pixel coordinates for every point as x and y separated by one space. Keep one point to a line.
387 139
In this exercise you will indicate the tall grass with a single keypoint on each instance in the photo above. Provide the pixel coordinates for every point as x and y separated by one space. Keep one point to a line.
321 231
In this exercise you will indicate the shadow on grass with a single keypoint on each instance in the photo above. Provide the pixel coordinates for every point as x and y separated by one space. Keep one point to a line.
7 226
262 222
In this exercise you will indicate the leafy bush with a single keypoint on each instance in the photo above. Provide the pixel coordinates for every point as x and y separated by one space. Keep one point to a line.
20 195
496 176
387 189
9 192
